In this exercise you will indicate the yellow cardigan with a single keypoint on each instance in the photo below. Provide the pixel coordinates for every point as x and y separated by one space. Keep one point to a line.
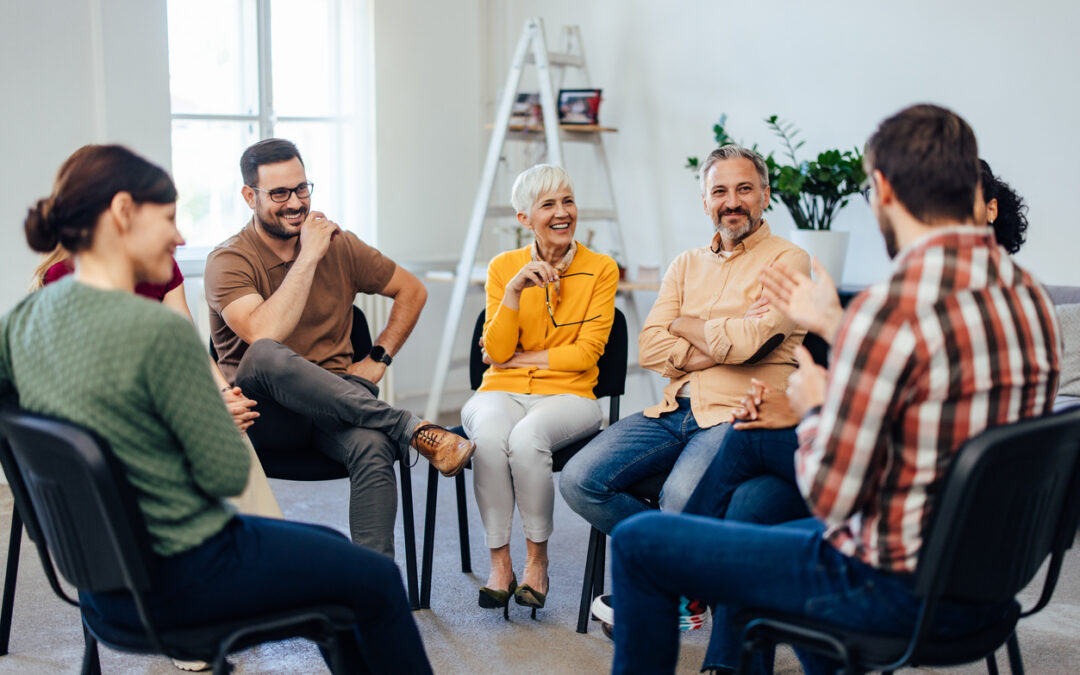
572 350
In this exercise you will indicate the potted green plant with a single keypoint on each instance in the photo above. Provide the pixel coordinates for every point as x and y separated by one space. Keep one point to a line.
813 191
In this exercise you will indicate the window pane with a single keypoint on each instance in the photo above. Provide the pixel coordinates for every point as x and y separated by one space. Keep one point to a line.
206 168
213 57
303 43
322 162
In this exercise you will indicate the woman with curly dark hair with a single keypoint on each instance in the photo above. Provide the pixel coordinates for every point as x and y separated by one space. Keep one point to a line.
1002 208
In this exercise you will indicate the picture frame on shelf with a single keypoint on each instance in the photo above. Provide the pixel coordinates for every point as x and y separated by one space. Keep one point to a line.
579 106
526 108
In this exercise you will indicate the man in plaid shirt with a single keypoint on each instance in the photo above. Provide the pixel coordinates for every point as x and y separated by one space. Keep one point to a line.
957 339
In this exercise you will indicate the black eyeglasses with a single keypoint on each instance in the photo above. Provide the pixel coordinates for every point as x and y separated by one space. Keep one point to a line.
551 312
865 187
303 191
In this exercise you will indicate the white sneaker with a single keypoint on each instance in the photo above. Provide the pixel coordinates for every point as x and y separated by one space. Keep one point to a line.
602 609
194 666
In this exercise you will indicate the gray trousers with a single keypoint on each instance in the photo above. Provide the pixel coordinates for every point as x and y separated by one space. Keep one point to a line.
305 408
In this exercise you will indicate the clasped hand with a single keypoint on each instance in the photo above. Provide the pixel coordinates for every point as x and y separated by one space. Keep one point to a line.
764 408
240 407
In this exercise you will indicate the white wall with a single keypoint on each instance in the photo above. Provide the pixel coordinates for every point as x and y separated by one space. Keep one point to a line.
836 67
429 124
75 72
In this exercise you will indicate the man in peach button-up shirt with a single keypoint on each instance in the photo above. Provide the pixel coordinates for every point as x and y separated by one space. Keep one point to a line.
708 334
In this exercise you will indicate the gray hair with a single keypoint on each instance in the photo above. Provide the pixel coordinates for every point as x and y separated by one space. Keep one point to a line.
733 151
537 181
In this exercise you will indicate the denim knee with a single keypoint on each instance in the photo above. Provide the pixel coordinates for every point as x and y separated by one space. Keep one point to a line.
572 479
634 533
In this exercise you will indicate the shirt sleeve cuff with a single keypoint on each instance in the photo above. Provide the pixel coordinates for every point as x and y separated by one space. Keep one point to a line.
716 336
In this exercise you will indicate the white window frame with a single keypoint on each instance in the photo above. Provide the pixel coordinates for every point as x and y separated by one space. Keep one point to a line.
192 259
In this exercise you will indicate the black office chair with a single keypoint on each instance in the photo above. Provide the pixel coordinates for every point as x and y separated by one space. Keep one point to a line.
80 509
611 383
1011 499
308 464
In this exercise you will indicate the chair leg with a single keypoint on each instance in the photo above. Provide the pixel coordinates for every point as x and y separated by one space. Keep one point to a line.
1016 664
429 536
91 664
597 541
599 566
991 663
409 525
14 546
463 523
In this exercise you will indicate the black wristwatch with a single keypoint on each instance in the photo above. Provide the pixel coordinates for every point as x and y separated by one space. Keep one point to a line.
378 353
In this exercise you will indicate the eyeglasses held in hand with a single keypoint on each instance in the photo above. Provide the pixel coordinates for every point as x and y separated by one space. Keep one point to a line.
303 191
551 312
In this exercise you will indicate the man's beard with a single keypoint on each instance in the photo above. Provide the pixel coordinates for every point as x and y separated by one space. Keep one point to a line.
736 235
888 232
273 226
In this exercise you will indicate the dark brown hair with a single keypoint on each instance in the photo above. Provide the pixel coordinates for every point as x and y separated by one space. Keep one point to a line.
84 188
266 151
930 157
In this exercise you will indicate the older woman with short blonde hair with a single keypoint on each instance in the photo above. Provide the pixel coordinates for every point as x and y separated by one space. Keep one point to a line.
550 307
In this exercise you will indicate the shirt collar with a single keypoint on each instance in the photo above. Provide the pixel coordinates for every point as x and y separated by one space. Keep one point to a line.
269 259
971 235
750 241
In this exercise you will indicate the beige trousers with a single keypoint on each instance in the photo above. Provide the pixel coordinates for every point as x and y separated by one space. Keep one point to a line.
257 499
515 435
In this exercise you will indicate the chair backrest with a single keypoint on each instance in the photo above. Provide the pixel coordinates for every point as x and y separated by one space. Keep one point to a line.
360 337
1011 498
611 380
75 494
361 334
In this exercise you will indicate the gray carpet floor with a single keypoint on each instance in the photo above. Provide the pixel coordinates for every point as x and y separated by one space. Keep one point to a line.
459 636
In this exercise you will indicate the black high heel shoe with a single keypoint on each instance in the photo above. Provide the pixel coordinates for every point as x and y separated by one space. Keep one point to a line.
491 598
527 596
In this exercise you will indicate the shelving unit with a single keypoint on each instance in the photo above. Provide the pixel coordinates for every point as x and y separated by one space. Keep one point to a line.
531 51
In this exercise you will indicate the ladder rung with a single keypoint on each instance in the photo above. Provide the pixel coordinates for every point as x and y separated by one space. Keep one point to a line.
583 214
560 59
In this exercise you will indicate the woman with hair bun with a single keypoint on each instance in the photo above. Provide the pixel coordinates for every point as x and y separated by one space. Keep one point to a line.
88 350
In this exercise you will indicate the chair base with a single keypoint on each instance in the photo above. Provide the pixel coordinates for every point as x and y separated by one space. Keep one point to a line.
211 643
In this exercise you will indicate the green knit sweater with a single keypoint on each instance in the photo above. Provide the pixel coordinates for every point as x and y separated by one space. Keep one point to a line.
135 372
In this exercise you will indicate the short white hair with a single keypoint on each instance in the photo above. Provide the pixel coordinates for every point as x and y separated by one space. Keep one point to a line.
539 180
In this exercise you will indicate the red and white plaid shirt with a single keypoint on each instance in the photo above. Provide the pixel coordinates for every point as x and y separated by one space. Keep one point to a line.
956 340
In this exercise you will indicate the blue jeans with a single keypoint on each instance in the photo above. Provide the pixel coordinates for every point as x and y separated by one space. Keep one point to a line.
258 565
658 557
751 480
634 448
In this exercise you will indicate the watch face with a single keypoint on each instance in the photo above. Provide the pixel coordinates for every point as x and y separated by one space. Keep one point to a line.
378 353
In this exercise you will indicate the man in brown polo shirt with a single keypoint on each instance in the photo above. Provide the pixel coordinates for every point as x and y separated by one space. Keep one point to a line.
708 334
280 295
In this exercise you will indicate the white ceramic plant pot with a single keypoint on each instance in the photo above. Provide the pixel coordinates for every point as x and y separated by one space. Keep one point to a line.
828 246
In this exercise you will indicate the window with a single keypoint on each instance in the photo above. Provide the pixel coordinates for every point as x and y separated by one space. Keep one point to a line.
243 70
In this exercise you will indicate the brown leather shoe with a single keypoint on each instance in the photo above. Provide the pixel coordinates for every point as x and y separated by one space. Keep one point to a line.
447 452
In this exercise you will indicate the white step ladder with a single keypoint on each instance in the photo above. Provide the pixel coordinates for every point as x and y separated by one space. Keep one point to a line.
531 50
